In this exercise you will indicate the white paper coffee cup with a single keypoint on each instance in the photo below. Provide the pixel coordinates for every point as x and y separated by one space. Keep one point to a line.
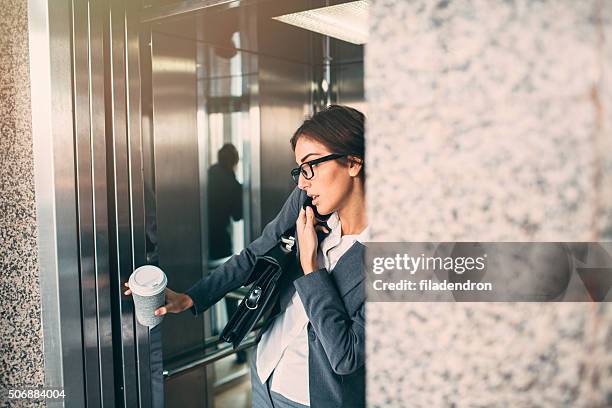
148 286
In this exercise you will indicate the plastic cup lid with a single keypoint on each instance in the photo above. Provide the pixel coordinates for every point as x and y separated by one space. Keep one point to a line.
148 280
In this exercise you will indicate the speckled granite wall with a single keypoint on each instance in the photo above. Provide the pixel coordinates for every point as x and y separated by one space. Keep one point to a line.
21 357
489 121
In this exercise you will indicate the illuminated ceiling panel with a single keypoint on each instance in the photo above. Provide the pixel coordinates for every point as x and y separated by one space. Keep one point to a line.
347 21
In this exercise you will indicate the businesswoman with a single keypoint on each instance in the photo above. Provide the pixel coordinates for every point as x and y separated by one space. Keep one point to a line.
312 352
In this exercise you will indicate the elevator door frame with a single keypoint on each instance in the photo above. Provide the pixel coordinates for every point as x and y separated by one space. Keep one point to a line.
85 82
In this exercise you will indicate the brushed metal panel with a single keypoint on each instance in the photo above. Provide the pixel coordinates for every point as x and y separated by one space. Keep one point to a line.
147 352
172 8
87 244
177 193
97 14
349 84
202 66
284 101
119 194
347 74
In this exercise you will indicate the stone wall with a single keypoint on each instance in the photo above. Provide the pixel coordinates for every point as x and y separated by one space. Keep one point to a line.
489 121
21 345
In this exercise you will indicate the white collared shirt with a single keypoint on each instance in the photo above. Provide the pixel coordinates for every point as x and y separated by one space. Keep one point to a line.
283 350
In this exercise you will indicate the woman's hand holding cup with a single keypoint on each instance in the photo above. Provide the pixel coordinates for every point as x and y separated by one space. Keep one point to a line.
175 302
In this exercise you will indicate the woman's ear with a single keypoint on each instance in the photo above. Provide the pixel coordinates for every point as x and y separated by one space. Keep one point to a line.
355 165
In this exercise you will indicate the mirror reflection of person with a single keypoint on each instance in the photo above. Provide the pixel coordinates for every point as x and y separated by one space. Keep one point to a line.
224 205
224 202
312 352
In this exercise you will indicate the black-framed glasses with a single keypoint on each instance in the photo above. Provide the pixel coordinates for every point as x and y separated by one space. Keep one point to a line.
306 168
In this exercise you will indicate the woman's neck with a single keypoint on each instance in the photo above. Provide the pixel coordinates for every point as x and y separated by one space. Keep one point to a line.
353 214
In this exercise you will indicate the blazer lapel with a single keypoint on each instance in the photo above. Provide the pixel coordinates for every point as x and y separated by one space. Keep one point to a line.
348 273
349 270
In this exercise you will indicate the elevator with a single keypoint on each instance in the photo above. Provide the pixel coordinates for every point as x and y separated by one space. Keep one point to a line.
149 92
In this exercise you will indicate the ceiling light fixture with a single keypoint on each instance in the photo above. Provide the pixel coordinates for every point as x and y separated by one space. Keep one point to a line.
346 21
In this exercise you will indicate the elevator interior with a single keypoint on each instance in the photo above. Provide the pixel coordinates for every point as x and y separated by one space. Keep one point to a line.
153 89
227 75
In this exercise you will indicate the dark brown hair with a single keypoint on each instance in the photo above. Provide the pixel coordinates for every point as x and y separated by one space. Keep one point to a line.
339 128
228 155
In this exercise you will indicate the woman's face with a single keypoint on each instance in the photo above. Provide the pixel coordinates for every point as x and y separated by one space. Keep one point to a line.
333 180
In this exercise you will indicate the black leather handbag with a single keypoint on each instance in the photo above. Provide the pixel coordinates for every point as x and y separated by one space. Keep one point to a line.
265 278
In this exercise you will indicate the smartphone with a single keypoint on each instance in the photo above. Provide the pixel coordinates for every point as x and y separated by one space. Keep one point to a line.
320 219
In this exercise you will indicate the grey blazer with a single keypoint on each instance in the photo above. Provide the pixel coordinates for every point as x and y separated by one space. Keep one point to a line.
334 303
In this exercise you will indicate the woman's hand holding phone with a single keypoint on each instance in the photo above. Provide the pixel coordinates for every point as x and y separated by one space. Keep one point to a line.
307 238
306 227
